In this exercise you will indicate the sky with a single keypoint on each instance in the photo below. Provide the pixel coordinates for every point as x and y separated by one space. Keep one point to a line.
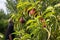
3 5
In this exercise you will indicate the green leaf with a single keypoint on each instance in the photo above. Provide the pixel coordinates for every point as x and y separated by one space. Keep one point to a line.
58 37
16 38
37 17
22 4
48 33
25 37
30 8
57 5
30 21
49 8
37 2
49 14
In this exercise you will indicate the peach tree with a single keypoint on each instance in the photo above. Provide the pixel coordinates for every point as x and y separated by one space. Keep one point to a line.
37 20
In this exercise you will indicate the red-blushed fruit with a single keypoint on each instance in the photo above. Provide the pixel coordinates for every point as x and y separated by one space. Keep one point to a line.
32 12
22 20
41 18
43 21
44 25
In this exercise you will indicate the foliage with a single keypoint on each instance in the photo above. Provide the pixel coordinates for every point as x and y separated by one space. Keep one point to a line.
3 24
3 21
1 36
43 23
11 6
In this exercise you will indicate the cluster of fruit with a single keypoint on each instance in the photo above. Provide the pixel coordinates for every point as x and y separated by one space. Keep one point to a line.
32 12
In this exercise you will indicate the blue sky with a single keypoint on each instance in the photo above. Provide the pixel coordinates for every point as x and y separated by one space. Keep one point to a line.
3 5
